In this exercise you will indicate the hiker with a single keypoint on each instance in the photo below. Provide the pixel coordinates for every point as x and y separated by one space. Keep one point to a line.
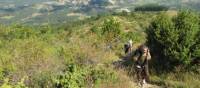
128 47
141 58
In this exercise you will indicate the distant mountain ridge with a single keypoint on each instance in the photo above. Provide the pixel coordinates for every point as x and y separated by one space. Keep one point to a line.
39 12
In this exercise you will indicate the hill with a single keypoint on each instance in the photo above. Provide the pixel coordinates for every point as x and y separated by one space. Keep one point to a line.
39 12
81 54
37 56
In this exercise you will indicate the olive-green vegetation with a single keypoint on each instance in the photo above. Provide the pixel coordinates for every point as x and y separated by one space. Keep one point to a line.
176 37
174 42
74 55
81 54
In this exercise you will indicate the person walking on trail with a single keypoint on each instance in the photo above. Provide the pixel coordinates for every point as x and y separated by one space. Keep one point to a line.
128 47
141 58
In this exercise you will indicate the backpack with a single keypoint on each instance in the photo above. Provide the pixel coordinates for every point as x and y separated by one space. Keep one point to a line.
126 48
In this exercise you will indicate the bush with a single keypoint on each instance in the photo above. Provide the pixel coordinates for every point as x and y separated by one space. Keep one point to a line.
84 76
18 85
111 29
73 77
174 40
101 75
111 25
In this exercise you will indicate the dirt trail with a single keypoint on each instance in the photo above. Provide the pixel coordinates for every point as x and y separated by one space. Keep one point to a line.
134 84
145 86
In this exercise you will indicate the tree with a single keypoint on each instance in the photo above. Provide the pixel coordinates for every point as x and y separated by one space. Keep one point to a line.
174 40
187 25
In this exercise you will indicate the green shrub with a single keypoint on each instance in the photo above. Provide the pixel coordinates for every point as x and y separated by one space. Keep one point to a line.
18 85
41 80
73 77
111 29
109 32
173 40
83 76
97 30
196 47
101 75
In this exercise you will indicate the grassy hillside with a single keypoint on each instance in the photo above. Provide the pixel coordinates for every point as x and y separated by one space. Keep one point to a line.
79 54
